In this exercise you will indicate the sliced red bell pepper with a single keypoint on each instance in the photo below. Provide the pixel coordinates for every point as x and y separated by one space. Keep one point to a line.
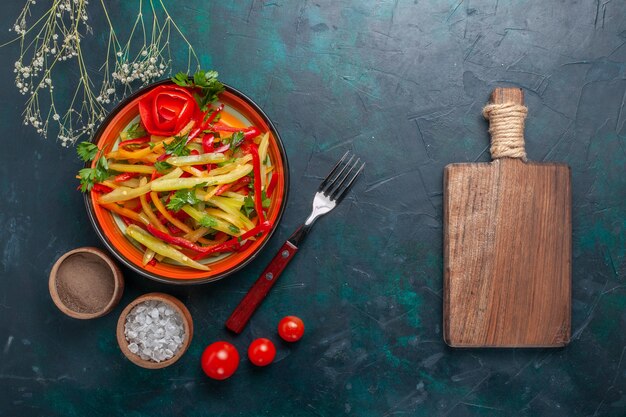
207 143
248 133
127 221
173 229
271 185
213 115
220 235
222 148
192 135
202 123
251 133
101 188
243 247
241 182
136 141
235 243
152 262
224 128
155 175
196 131
125 176
178 241
180 215
223 188
258 196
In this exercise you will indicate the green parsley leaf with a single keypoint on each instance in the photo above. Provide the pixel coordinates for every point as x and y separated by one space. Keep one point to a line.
234 229
177 147
265 202
90 176
162 166
102 168
248 207
86 151
208 221
211 75
199 79
235 140
182 198
135 131
86 179
206 82
181 79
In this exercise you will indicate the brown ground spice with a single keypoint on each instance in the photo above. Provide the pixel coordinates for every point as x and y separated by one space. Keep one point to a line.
85 283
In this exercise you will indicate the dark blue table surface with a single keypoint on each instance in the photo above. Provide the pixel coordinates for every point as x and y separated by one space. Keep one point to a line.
402 84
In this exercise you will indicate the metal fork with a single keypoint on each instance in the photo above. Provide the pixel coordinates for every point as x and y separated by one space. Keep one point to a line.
329 194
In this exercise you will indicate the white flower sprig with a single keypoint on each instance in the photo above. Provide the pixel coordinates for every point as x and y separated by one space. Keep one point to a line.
56 37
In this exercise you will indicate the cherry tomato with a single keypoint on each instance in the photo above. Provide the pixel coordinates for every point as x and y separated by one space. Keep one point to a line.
220 360
261 352
291 328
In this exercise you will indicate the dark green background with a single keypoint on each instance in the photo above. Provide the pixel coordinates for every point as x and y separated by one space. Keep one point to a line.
402 84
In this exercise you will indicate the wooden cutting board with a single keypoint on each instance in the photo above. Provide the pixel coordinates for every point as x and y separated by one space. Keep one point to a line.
507 250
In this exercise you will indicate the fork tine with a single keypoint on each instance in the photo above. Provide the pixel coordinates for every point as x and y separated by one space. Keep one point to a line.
339 195
341 179
333 181
332 172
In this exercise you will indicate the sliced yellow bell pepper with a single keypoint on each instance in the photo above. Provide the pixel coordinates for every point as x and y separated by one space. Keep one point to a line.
142 169
207 220
205 158
182 183
161 247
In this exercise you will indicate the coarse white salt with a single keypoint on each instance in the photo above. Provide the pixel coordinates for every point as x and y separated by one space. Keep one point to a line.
154 331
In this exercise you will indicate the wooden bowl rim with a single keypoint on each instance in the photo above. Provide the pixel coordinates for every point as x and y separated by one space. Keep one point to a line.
180 308
118 284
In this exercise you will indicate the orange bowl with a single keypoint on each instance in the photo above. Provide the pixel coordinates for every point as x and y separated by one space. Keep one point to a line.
239 110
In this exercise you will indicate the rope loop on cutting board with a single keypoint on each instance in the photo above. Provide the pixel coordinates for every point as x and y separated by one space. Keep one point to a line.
506 126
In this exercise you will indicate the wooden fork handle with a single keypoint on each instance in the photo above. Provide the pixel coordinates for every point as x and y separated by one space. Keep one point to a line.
255 296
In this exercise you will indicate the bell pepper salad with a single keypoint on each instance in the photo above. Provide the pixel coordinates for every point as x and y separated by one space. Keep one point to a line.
187 185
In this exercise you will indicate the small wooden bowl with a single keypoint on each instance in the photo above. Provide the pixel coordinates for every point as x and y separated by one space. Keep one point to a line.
85 263
178 306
